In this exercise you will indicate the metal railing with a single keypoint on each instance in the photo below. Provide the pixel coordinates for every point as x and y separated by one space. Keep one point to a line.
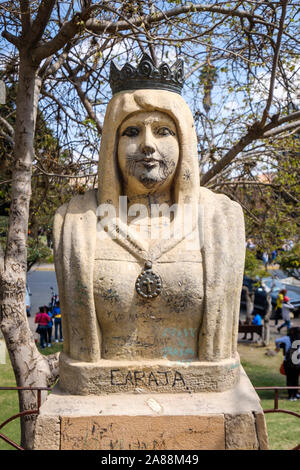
22 413
276 408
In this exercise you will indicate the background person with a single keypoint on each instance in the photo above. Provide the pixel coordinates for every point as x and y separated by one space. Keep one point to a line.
292 370
56 313
274 255
256 321
42 319
286 313
265 258
279 302
49 326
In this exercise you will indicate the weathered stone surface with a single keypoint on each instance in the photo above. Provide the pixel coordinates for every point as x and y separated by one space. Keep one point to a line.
143 432
195 316
47 433
160 376
240 431
261 430
238 400
207 412
150 322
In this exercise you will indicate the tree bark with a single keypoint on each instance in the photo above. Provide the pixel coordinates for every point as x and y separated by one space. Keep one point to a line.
266 330
30 367
249 303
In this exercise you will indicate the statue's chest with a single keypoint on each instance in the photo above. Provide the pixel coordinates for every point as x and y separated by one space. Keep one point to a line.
165 325
116 272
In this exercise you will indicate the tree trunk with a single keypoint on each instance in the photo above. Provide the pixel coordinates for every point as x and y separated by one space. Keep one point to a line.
30 367
266 330
249 303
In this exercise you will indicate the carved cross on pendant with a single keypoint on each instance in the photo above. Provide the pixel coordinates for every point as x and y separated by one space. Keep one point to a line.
147 282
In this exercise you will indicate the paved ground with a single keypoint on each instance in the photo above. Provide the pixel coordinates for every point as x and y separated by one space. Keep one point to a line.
39 281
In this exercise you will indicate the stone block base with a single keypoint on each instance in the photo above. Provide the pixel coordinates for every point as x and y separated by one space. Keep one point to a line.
148 376
232 419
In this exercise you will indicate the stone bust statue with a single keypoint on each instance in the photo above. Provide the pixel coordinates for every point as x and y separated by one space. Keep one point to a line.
136 306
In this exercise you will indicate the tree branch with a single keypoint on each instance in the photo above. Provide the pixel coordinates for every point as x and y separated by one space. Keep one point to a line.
25 16
288 118
46 70
113 27
87 104
41 21
254 133
237 183
12 39
281 129
70 28
66 33
56 100
275 63
65 176
8 126
7 137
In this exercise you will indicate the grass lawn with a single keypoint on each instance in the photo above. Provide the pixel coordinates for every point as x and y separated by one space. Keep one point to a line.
9 405
263 371
283 430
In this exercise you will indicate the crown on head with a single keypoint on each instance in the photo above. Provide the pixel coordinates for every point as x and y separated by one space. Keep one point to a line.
147 76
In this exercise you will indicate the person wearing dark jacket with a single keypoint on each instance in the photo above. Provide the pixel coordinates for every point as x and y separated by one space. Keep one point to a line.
49 326
290 343
56 313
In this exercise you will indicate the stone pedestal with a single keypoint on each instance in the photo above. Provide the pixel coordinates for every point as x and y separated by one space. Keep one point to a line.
231 419
147 376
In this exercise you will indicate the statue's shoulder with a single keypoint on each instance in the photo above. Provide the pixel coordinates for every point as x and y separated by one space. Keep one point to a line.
220 202
81 208
79 204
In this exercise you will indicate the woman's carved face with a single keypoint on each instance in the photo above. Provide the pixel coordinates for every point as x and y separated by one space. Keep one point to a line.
148 150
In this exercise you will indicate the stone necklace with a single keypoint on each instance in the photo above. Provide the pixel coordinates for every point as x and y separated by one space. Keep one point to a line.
148 284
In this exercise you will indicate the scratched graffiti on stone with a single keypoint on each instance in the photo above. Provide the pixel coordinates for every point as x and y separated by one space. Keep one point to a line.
139 378
181 351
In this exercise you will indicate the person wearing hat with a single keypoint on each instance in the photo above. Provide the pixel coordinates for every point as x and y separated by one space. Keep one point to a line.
286 314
